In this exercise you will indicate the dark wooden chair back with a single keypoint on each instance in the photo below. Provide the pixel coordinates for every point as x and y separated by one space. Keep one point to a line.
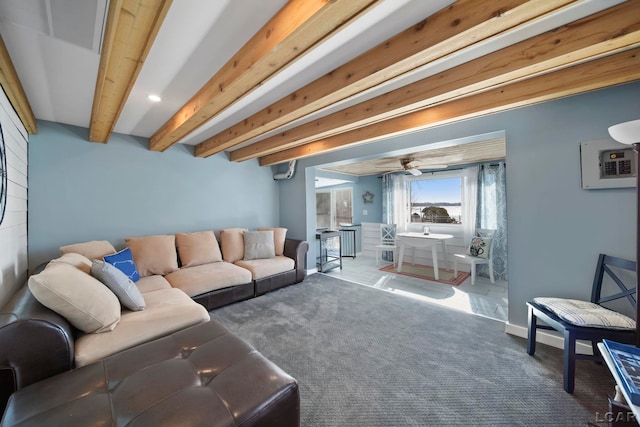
572 332
605 262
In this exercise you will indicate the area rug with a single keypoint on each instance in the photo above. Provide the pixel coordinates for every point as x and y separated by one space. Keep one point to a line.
366 357
426 272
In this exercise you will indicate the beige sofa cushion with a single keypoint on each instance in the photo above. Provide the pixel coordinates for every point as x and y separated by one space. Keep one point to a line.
279 236
168 310
260 268
85 302
208 277
94 249
152 283
198 248
78 261
154 254
232 243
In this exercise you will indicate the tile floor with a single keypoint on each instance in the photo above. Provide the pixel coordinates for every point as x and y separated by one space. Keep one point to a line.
484 298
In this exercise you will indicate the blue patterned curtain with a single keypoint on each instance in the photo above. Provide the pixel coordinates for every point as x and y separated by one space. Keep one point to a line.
492 213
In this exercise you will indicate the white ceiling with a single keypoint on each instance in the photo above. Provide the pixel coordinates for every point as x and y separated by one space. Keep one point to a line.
55 47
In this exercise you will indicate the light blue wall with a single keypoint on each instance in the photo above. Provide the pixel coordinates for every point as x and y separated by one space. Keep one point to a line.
555 229
372 184
81 191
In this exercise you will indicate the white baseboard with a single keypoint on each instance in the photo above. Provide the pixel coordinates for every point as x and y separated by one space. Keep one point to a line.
311 271
547 338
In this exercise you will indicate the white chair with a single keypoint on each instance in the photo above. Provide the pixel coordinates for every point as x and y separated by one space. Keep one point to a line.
475 255
387 242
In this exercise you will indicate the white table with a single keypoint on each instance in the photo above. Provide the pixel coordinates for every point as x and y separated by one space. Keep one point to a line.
421 240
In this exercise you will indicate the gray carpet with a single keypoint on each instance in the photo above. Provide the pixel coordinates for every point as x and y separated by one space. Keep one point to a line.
366 357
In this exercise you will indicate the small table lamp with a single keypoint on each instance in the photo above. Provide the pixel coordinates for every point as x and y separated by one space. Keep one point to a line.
629 133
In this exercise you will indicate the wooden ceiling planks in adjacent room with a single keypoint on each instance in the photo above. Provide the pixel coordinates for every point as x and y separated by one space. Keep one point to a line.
131 28
603 72
299 26
462 24
611 30
471 152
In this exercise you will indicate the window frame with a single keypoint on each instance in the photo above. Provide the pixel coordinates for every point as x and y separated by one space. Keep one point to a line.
445 174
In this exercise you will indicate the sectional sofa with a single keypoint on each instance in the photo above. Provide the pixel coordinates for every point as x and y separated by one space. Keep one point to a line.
66 318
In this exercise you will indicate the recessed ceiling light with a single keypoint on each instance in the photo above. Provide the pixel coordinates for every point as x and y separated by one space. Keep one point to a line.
154 98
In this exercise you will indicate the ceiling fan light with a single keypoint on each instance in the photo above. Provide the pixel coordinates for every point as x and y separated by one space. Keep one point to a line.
627 132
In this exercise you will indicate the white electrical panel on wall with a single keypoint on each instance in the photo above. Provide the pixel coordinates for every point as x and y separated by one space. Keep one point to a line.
607 164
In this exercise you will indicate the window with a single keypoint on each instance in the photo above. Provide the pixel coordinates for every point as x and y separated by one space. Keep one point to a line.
334 208
436 198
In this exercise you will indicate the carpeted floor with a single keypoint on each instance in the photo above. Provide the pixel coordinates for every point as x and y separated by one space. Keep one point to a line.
365 357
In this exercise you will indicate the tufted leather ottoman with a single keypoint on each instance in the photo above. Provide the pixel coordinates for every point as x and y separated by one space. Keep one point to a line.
200 376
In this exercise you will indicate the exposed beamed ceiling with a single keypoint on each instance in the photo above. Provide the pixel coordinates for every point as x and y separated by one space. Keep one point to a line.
284 80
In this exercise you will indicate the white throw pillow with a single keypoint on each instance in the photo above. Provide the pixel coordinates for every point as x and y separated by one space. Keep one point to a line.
85 302
479 247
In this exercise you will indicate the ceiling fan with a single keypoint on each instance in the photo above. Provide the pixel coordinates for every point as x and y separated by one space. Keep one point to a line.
412 166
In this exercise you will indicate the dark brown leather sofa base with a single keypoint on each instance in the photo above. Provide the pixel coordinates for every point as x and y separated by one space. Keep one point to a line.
225 296
200 376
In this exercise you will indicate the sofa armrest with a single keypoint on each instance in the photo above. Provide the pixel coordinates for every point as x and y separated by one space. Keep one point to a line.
35 343
297 250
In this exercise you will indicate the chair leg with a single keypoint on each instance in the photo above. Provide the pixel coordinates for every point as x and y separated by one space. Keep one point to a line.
531 333
473 273
455 267
596 352
491 272
377 257
569 362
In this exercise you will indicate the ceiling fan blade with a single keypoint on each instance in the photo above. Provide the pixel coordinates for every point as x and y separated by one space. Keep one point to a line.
414 172
411 164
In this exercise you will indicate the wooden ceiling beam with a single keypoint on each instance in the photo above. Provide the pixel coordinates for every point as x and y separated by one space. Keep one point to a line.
297 27
602 33
455 27
15 92
611 70
132 26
